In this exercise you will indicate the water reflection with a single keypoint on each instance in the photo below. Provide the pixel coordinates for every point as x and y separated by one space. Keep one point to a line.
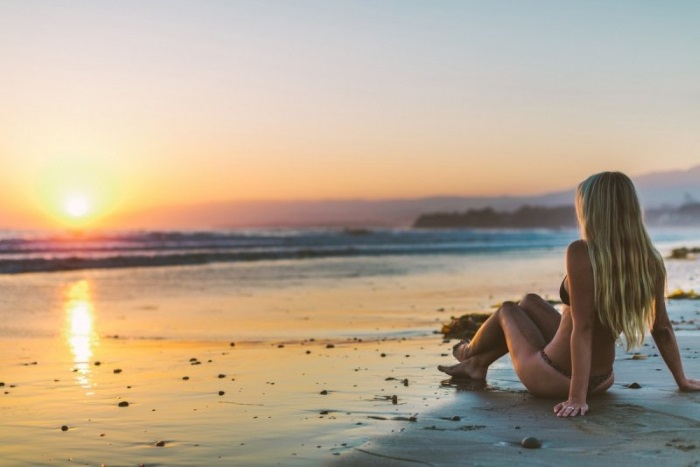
80 332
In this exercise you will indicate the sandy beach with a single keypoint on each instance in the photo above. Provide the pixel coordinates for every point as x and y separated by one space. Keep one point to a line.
174 366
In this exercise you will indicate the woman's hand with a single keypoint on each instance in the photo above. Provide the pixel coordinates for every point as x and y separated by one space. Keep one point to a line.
690 385
572 408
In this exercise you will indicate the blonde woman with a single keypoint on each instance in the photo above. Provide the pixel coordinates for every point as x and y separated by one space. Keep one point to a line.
614 285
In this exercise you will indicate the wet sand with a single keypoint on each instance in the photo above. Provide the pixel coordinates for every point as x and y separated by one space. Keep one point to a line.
138 367
315 402
647 423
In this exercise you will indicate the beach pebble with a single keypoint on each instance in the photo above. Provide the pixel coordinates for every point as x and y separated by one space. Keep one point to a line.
221 375
531 443
117 371
160 444
280 346
394 399
455 418
123 404
639 356
221 393
324 392
64 428
330 346
232 344
98 363
634 386
185 378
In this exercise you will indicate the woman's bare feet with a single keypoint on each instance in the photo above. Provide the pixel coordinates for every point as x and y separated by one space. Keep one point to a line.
466 369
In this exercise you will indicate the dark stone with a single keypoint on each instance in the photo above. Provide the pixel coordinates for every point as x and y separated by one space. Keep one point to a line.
160 444
634 386
64 428
531 443
123 404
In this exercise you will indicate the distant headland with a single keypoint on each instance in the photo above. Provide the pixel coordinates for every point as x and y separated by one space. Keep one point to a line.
545 217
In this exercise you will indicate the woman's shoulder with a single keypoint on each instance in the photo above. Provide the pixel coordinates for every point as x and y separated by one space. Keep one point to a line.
577 248
577 256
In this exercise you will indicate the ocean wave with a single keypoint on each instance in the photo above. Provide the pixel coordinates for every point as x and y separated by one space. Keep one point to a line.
49 253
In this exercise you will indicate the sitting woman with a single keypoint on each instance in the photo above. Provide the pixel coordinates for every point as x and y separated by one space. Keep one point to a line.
614 285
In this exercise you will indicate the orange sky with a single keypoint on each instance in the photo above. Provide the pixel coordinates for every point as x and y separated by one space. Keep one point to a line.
131 106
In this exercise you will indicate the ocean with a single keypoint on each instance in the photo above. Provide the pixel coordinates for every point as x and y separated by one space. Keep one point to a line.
23 252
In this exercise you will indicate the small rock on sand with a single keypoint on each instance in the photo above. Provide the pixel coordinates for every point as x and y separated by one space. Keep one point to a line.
634 386
123 404
324 392
531 443
64 428
394 399
160 444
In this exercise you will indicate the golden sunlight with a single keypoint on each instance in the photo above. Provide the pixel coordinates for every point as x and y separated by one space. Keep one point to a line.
76 193
80 333
76 206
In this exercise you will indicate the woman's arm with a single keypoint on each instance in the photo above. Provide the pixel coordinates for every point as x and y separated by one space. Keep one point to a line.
665 339
581 296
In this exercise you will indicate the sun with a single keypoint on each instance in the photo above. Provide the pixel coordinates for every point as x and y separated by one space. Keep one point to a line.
76 206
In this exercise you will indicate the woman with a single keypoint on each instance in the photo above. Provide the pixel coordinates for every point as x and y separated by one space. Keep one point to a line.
614 285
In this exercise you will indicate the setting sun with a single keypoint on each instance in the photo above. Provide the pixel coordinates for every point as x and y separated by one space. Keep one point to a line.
76 206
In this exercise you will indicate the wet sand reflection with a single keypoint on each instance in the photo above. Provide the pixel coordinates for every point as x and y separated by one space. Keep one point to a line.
80 333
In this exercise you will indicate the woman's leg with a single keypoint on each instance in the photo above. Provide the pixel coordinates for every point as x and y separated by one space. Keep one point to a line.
490 337
510 329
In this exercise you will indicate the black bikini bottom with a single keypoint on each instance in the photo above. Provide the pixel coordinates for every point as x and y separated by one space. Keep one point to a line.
593 381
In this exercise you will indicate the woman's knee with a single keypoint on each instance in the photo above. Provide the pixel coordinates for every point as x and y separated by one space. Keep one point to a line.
507 305
509 308
530 299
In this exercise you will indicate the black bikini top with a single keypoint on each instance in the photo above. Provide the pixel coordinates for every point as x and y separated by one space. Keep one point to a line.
563 293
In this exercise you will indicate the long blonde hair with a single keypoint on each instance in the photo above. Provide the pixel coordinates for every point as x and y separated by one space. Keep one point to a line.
626 266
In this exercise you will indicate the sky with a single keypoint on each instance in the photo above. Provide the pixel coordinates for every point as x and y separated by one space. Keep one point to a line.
108 108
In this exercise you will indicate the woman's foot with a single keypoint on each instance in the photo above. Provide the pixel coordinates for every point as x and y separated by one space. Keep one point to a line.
461 350
465 370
